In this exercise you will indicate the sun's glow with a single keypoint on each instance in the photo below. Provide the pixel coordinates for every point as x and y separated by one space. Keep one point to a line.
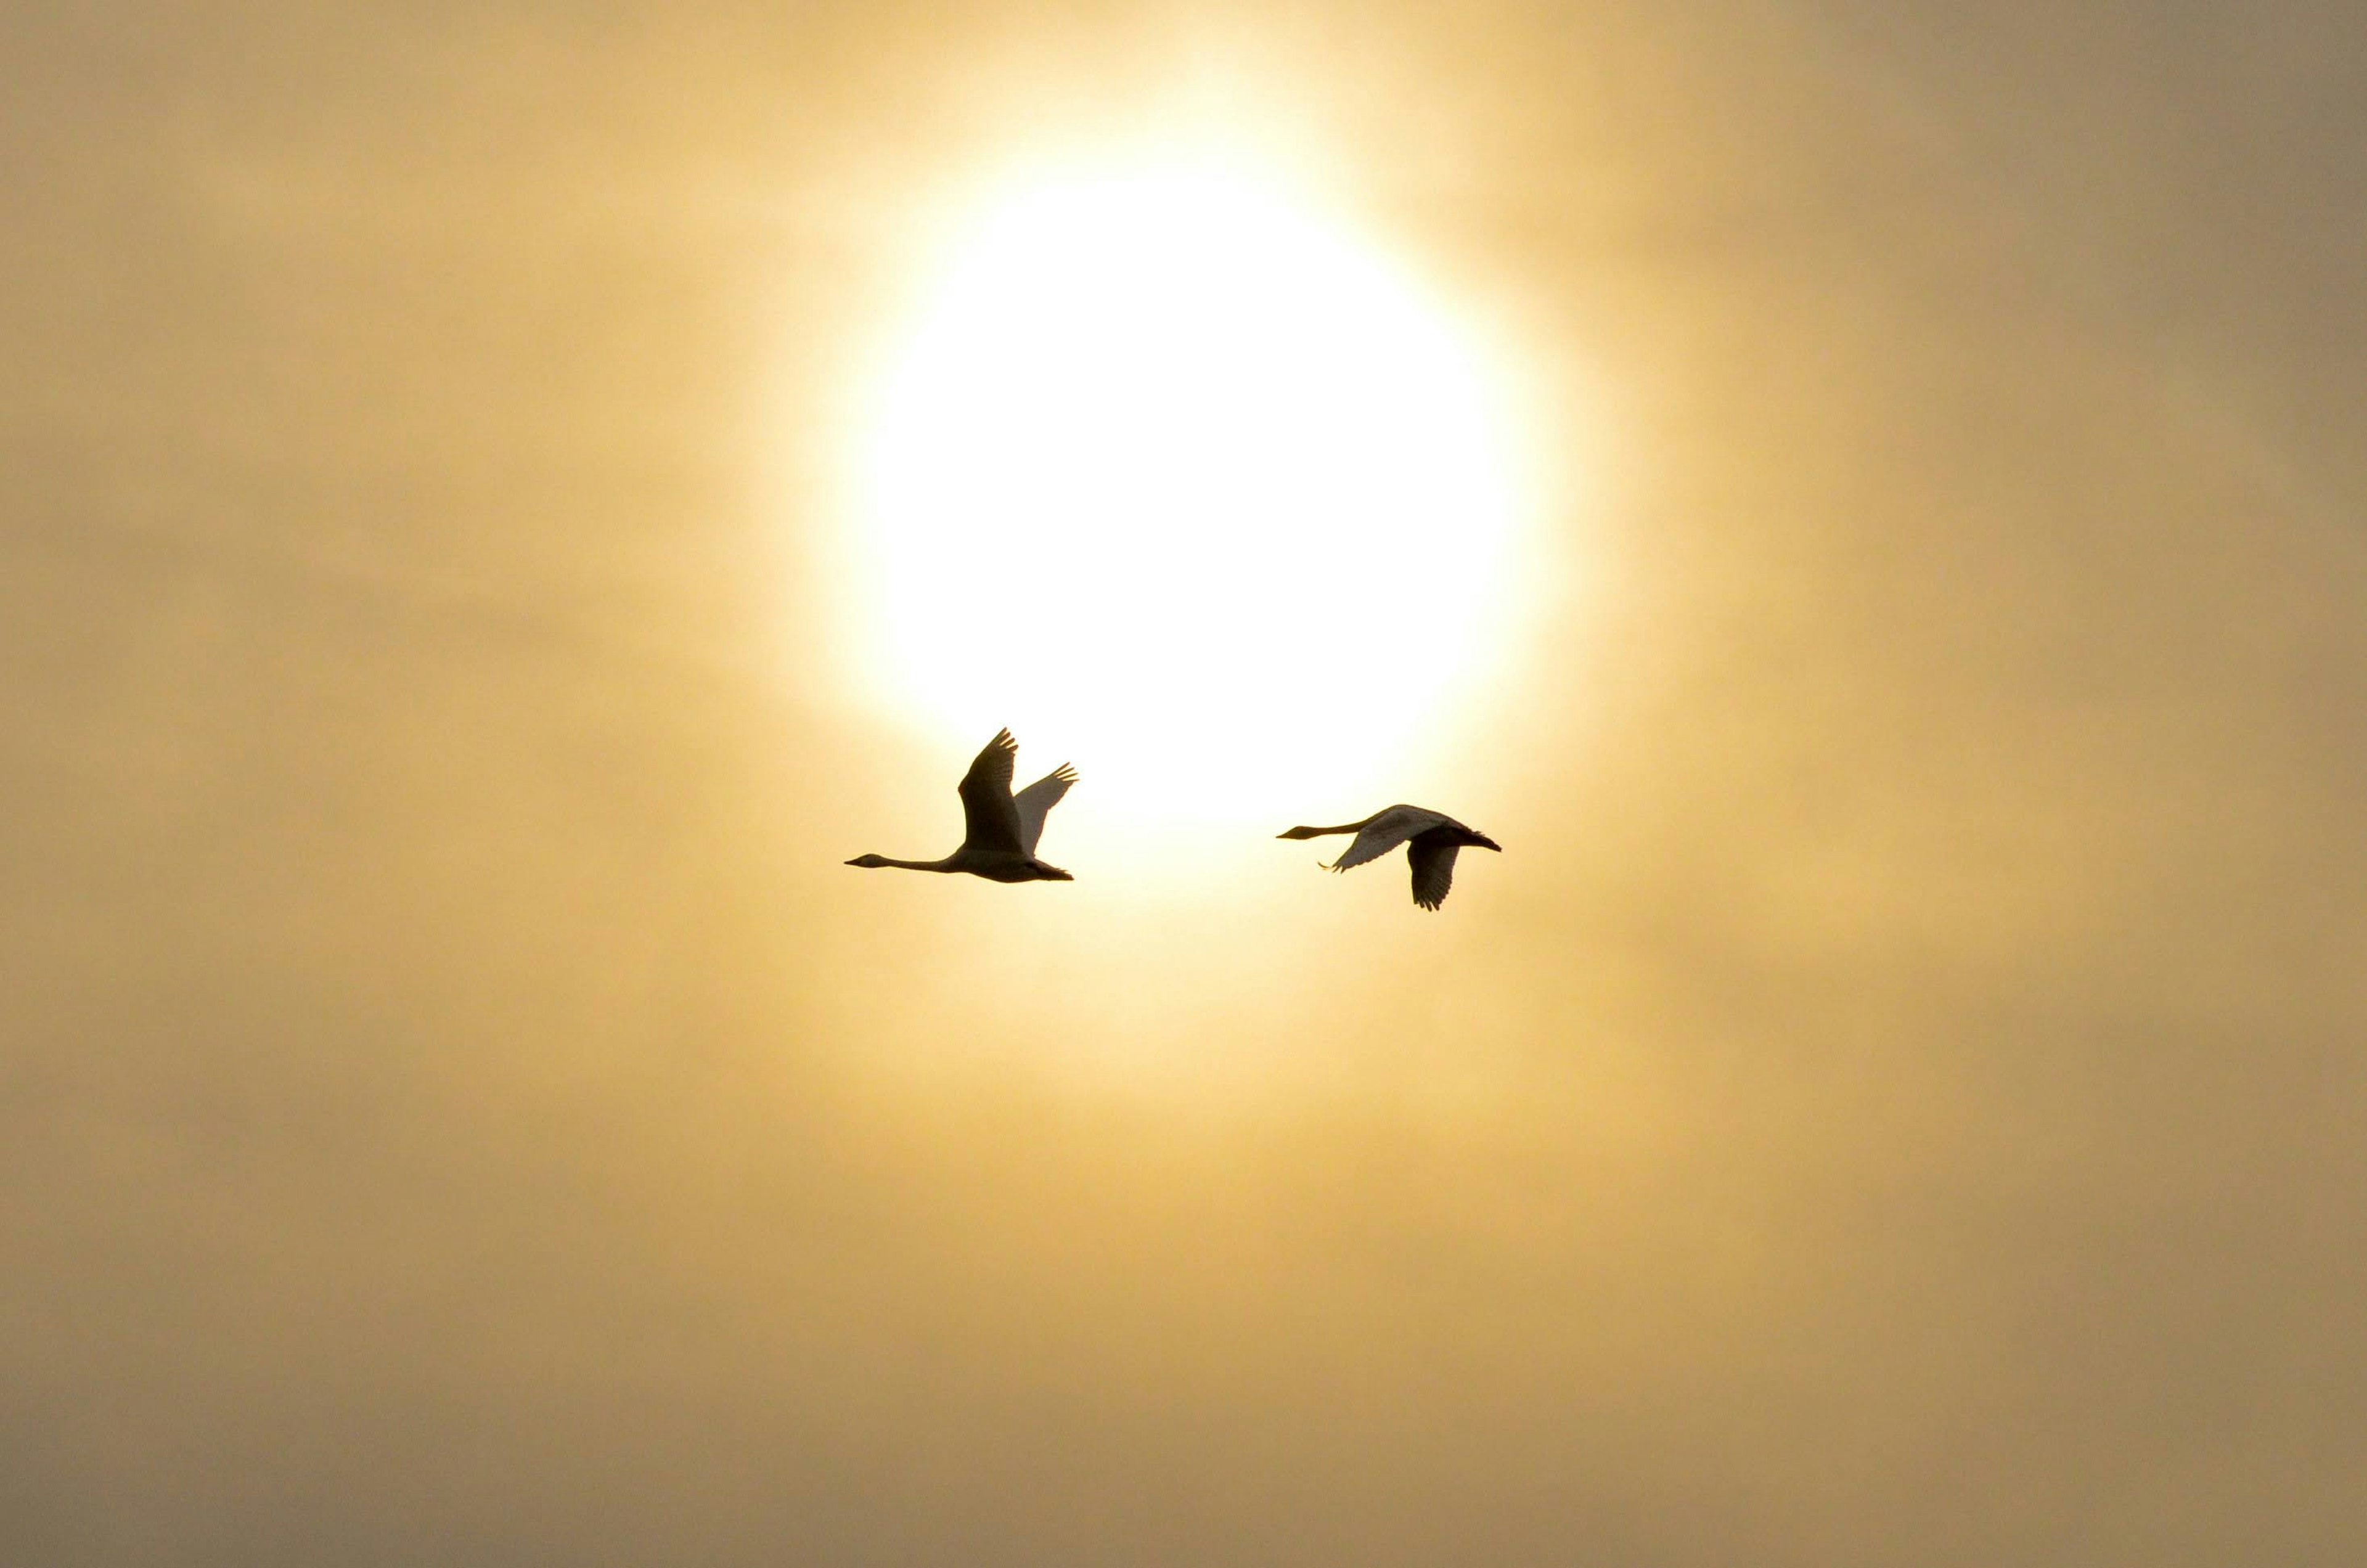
1183 478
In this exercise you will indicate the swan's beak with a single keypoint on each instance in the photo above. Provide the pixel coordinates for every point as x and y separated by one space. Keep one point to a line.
1487 843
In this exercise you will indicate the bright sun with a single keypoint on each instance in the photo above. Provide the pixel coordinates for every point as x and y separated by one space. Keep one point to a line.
1184 481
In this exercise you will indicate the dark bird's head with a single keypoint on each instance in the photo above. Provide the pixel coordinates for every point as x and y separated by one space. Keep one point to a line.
1482 841
869 863
1301 833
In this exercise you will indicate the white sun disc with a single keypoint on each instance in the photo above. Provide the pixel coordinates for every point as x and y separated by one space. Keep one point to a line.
1178 479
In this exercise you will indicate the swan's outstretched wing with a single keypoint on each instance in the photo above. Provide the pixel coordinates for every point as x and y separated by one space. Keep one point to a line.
1038 799
1432 854
989 820
1385 832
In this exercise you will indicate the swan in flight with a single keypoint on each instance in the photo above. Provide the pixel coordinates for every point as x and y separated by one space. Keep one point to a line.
1432 838
1000 828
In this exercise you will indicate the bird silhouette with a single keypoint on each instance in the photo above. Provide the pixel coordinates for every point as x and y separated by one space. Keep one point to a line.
1000 828
1431 839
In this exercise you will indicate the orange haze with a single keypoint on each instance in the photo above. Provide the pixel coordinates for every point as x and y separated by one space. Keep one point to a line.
1898 1099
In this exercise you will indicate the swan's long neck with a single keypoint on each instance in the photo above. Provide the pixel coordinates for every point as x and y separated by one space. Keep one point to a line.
946 864
1325 832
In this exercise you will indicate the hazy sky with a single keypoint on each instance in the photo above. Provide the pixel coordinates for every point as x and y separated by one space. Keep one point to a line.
1899 1098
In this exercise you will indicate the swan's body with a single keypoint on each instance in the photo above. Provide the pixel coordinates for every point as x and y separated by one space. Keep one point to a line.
1430 837
1000 828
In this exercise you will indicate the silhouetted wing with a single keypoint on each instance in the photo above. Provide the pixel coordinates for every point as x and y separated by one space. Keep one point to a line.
1385 832
1432 854
990 820
1038 799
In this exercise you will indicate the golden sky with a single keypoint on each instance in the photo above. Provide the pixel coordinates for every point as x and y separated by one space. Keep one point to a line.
1897 1100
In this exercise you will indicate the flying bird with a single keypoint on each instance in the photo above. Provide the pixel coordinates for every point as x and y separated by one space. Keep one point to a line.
1000 828
1432 838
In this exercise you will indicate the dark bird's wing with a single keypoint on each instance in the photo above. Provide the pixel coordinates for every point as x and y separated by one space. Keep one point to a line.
1432 854
1385 832
990 820
1038 798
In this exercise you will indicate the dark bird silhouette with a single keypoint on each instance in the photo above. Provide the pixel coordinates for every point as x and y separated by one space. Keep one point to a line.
1000 828
1431 839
